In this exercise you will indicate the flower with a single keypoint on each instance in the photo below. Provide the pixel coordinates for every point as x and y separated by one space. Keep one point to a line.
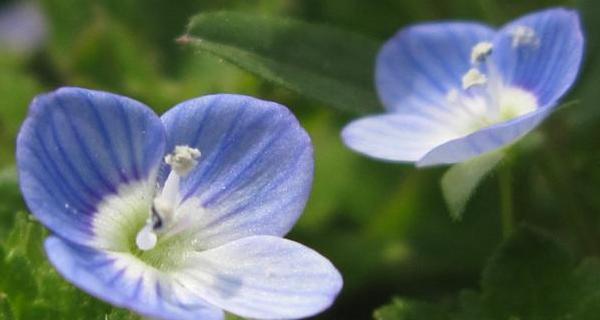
176 217
455 90
22 27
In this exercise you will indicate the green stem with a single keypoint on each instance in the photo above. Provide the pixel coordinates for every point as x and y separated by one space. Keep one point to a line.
506 199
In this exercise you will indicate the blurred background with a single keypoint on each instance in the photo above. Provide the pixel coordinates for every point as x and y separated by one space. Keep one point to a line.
385 226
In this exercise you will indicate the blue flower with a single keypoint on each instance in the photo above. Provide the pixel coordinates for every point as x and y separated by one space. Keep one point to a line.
177 217
22 27
455 90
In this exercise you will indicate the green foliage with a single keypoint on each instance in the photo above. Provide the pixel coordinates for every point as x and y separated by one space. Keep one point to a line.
410 310
383 225
321 62
461 180
32 289
531 276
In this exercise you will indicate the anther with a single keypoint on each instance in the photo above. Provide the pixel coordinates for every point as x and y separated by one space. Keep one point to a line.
183 159
473 78
481 51
524 35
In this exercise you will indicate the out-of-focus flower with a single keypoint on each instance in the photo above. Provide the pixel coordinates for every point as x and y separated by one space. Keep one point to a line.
22 27
455 90
178 217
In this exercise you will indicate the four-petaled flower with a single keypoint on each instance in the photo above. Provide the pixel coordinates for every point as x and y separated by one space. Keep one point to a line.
456 90
176 217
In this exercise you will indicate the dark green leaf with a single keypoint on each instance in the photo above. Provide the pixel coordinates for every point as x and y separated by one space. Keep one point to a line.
530 277
321 62
461 180
401 309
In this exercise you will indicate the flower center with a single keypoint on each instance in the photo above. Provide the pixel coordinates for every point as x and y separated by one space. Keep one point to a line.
162 215
485 99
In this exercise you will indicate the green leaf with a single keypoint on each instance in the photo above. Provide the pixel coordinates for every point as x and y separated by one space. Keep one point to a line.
5 310
401 309
530 277
461 180
321 62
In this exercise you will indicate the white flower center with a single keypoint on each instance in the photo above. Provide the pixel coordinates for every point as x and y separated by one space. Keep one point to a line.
162 212
485 99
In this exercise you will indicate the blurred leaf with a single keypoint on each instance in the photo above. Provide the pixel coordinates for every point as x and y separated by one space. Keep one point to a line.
5 311
528 278
461 180
11 200
321 62
401 309
531 276
17 89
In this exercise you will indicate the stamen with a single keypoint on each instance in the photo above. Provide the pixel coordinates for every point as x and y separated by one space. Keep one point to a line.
524 35
183 159
162 213
473 78
481 51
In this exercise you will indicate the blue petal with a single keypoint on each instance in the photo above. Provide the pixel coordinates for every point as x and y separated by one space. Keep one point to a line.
420 64
397 137
548 68
76 147
484 140
125 282
256 168
263 277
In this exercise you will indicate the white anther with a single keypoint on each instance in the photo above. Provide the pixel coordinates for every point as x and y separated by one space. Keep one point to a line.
183 159
146 239
524 35
473 78
481 51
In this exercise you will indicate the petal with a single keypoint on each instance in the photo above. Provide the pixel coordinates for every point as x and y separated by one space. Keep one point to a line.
548 66
77 147
421 64
263 277
484 140
125 282
397 137
256 168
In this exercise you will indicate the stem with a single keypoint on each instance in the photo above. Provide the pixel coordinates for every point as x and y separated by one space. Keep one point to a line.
506 199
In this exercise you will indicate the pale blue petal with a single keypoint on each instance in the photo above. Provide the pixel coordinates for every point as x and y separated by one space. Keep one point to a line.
484 140
76 147
120 281
256 168
548 68
420 64
263 277
396 137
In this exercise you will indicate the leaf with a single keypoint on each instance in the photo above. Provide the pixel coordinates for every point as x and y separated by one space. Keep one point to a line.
530 277
461 180
321 62
401 309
